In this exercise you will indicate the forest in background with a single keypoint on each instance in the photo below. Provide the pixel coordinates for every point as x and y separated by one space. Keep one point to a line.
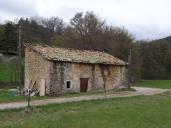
150 59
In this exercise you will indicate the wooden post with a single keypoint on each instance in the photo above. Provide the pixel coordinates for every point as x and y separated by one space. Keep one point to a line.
28 105
19 59
129 68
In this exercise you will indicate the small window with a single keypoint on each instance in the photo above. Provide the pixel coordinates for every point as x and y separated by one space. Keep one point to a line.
68 84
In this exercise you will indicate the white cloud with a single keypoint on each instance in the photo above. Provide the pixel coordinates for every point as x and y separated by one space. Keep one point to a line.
148 19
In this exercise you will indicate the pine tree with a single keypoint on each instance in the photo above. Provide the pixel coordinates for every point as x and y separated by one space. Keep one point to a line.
10 37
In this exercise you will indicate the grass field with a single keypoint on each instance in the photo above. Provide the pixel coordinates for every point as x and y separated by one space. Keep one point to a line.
135 112
166 84
7 96
10 96
7 73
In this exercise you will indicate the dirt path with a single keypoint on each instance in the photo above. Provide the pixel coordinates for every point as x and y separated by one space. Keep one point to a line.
58 100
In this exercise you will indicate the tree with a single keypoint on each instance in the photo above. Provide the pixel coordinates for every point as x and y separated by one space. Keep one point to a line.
156 60
83 31
33 32
90 32
54 24
1 37
10 37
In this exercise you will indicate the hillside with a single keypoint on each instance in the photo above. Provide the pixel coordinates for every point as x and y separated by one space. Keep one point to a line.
156 59
168 39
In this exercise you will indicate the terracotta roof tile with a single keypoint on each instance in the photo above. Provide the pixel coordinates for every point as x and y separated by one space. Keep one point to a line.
78 56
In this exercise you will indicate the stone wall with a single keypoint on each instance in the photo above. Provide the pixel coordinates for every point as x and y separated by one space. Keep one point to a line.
56 79
36 68
57 73
99 76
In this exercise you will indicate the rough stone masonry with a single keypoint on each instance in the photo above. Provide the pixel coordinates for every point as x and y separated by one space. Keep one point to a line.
70 70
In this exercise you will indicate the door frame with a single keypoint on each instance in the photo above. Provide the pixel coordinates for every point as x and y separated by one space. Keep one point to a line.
85 88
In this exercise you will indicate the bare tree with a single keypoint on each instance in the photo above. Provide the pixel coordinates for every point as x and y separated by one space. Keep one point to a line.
91 32
55 24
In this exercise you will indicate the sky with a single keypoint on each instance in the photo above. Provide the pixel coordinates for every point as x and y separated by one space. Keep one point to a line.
145 19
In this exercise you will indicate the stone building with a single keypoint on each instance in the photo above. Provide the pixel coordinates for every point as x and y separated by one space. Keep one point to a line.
60 70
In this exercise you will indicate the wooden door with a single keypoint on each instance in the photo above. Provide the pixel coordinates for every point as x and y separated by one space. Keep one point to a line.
83 84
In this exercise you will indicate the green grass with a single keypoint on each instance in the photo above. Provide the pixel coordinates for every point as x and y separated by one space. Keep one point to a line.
9 96
166 84
134 112
96 92
8 73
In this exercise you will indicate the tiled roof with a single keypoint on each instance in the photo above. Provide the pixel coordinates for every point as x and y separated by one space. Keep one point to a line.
77 56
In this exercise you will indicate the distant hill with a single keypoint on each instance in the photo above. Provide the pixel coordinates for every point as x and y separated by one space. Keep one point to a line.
168 39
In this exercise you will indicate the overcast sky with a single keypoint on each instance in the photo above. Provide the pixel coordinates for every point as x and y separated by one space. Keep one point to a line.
145 19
